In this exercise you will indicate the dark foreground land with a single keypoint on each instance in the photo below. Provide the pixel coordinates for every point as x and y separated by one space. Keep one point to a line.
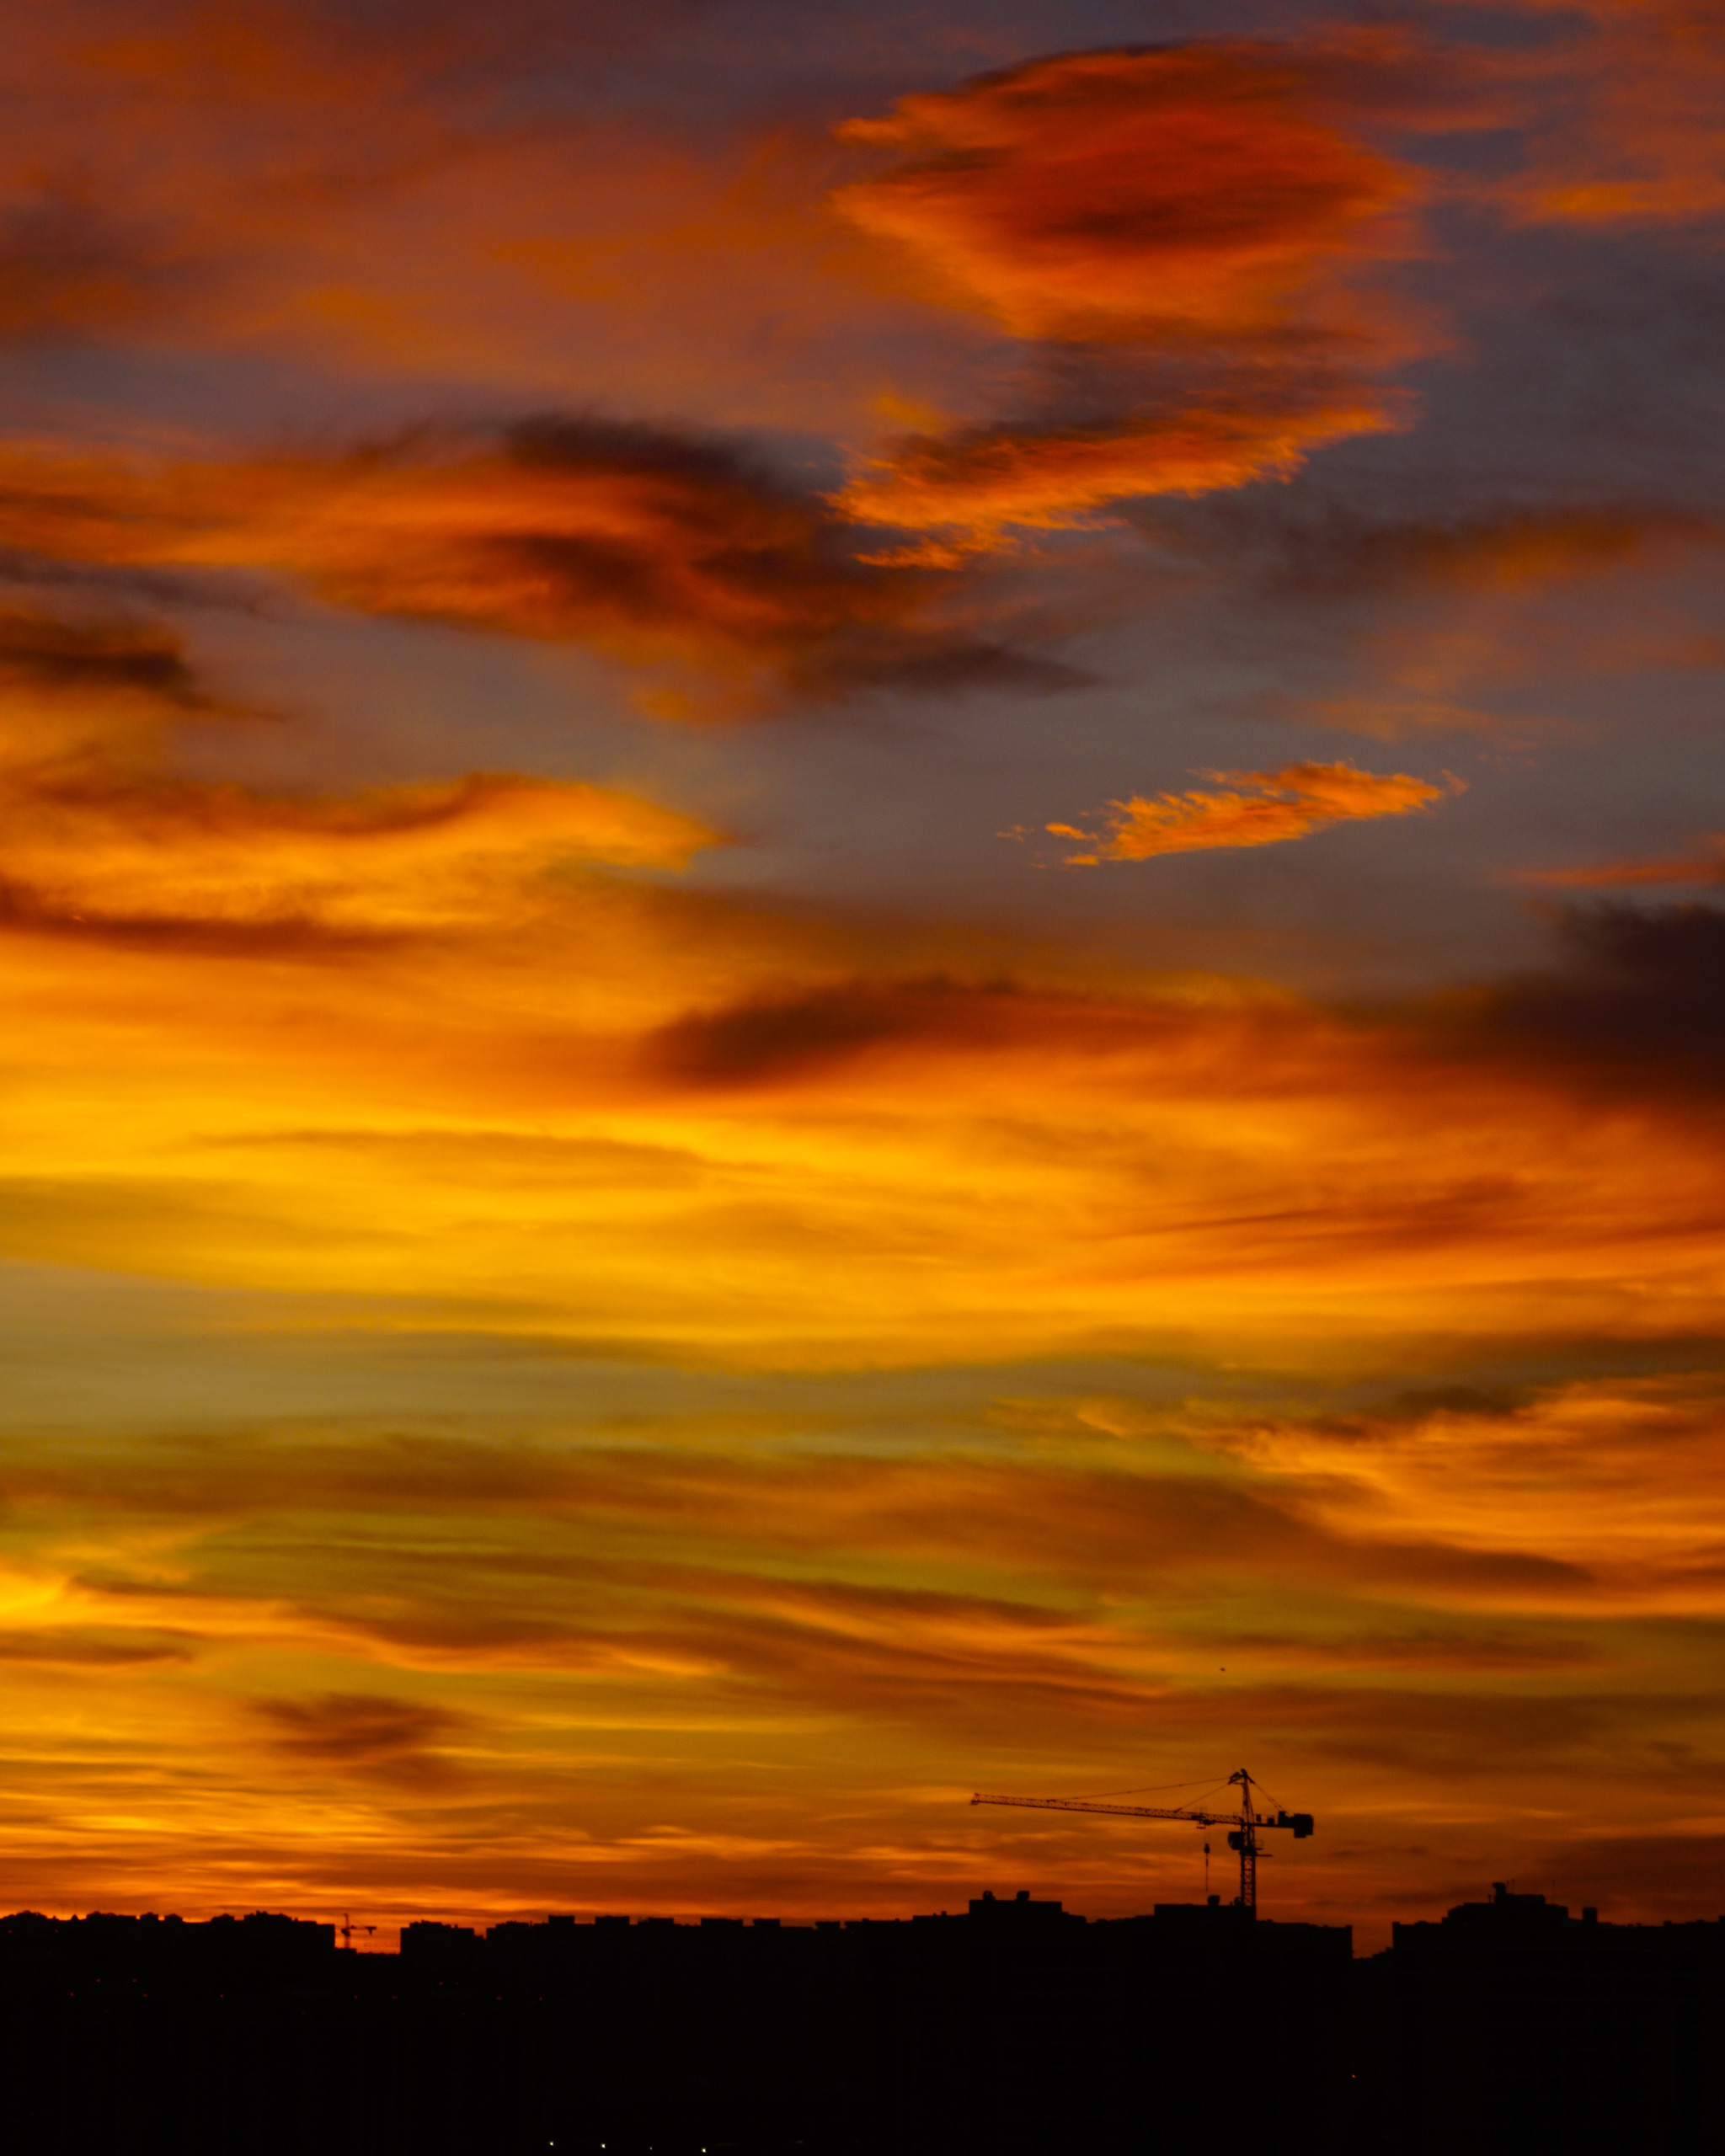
1016 2027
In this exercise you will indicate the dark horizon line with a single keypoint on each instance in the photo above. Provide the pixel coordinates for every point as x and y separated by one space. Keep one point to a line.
1503 1900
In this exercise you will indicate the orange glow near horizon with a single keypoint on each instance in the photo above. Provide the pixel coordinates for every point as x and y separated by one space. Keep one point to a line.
613 1299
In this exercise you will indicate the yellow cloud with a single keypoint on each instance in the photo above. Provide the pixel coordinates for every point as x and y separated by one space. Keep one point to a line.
397 858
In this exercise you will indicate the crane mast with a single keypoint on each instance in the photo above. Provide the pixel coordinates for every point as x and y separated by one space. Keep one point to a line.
1244 1825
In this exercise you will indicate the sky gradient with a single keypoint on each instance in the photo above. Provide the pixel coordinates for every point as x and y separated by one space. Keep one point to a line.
859 891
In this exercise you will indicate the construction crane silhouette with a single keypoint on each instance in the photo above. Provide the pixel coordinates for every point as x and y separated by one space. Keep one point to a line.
1244 1827
345 1930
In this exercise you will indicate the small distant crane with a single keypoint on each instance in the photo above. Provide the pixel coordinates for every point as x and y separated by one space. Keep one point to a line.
345 1930
1244 1825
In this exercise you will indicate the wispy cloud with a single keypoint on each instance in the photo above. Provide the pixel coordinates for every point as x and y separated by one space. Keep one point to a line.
396 858
1198 207
536 1366
1632 142
1249 808
667 550
1704 867
364 1733
1100 195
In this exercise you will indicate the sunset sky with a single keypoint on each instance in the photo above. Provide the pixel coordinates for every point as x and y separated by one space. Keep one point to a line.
860 887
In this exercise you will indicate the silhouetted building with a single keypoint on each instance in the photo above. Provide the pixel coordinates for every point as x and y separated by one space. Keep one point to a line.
1014 2028
439 1947
1513 2025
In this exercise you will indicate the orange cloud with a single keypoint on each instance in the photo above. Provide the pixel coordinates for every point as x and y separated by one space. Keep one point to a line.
1192 201
993 476
396 858
1520 550
405 1126
1631 137
562 1115
362 189
96 830
363 1734
1630 1497
459 1563
141 139
1705 867
655 547
1415 1597
1290 804
1180 192
90 700
95 661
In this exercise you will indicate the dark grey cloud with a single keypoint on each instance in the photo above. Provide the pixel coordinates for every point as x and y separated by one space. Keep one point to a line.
363 1732
1637 1004
74 266
80 655
91 1647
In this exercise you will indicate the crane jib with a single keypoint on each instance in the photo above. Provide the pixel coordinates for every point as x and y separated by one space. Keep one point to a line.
1299 1821
1243 1824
